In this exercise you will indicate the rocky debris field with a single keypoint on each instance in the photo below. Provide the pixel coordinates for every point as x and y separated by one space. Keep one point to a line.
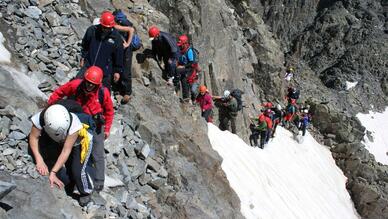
159 161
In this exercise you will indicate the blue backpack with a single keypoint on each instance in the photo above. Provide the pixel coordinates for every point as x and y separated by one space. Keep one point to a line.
122 19
136 42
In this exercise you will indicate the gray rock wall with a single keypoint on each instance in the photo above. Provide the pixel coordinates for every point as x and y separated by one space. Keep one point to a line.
158 148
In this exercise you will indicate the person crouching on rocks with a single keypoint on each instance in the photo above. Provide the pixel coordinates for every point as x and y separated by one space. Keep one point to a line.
96 101
55 144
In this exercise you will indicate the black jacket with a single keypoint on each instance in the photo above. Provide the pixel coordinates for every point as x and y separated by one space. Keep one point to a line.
103 50
165 47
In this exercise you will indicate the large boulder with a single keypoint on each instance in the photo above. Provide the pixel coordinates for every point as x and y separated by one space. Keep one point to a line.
33 198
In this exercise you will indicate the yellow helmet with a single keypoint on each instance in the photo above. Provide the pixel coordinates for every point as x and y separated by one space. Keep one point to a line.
291 69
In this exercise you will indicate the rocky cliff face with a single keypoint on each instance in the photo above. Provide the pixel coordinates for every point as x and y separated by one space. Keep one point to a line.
158 151
330 43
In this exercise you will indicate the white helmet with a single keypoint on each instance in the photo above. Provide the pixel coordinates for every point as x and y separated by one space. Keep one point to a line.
279 107
57 122
306 111
226 93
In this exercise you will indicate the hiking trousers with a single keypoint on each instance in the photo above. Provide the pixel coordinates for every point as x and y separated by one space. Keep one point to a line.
74 172
169 67
182 83
256 134
225 120
208 115
98 154
124 85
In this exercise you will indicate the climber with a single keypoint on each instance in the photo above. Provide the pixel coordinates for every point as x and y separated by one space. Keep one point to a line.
268 119
289 74
291 111
164 47
205 102
267 105
228 108
277 117
292 94
53 145
187 69
127 33
258 131
304 121
96 101
102 46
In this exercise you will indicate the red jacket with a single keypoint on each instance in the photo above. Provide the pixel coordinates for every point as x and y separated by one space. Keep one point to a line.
205 101
89 101
268 121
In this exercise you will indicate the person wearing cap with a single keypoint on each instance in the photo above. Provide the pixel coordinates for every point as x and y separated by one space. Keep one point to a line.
164 48
228 108
102 46
96 101
205 102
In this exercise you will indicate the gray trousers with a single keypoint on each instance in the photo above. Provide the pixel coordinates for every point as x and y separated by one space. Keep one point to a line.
98 154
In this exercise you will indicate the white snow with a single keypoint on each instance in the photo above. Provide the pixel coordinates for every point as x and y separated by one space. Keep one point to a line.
350 85
377 123
5 55
286 179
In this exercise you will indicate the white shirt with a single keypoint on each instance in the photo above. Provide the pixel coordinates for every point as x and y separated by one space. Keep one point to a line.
75 126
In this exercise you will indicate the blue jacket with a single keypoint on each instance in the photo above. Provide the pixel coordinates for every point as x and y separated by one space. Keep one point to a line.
187 59
305 120
104 50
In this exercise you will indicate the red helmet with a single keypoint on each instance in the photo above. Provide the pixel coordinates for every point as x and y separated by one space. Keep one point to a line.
94 75
202 89
183 39
268 105
107 19
153 32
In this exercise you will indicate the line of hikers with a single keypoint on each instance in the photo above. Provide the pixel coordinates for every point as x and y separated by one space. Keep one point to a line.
264 126
67 137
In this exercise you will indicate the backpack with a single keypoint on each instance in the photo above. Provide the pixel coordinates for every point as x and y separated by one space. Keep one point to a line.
73 107
136 42
237 93
196 54
121 19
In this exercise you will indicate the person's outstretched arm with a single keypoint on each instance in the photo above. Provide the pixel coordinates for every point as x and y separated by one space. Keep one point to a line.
41 166
63 156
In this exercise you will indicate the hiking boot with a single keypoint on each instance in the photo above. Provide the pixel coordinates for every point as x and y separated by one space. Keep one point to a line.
84 200
125 99
170 81
98 188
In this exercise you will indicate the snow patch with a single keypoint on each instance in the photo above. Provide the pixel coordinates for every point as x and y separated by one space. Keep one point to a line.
286 179
377 124
5 55
350 85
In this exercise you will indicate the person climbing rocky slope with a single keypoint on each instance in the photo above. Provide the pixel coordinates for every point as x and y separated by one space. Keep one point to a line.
158 156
